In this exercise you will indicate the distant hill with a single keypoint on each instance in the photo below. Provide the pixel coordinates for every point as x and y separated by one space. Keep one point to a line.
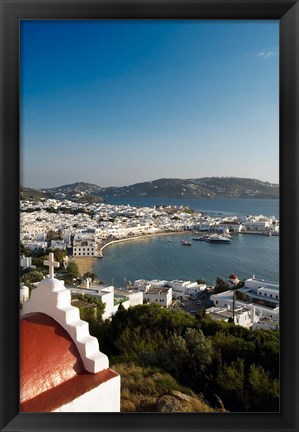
79 192
207 187
32 194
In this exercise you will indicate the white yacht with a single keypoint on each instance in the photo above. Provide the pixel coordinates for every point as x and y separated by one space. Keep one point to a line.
219 238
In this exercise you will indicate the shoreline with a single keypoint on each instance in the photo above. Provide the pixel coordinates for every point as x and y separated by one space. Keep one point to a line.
140 237
86 264
143 236
169 233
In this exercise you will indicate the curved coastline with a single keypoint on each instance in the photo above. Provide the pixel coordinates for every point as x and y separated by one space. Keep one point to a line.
139 237
134 238
86 264
204 258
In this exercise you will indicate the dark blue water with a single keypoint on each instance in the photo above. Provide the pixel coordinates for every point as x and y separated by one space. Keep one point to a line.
158 258
238 207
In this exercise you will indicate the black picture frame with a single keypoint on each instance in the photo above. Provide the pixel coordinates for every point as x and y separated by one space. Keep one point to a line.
287 12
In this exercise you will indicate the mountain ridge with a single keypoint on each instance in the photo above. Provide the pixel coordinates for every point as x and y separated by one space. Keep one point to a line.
205 187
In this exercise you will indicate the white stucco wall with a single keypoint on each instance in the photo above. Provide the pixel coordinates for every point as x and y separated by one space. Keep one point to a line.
104 398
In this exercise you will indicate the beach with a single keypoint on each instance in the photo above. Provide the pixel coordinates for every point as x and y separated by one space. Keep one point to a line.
143 236
85 264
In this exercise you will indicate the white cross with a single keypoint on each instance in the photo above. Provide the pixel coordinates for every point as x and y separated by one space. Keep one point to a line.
51 263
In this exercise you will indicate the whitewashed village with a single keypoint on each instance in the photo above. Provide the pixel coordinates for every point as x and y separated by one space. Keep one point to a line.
52 303
86 229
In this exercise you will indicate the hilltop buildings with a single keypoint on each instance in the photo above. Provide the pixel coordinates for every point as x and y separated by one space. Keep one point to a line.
110 297
84 228
259 310
89 224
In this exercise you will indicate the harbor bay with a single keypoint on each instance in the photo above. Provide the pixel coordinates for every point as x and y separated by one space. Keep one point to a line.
218 206
150 218
163 257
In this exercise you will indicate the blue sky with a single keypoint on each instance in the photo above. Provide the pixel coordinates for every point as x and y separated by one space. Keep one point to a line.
120 102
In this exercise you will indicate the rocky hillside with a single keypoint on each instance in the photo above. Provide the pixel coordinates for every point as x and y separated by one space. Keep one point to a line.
32 194
79 192
207 187
151 390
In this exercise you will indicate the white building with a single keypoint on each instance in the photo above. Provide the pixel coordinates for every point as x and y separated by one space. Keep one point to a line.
84 248
35 245
25 262
185 289
61 366
161 296
240 316
58 244
104 293
232 226
144 285
24 293
225 300
111 297
265 324
135 297
256 224
261 291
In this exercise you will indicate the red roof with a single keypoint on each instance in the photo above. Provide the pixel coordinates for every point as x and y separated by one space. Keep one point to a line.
51 370
233 276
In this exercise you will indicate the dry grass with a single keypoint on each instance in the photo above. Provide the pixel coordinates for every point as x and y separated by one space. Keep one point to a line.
142 387
84 264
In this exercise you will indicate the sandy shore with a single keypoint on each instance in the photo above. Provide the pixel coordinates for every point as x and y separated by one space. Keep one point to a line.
142 237
85 264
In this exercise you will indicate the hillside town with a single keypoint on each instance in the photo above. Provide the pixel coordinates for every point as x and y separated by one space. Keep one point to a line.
84 230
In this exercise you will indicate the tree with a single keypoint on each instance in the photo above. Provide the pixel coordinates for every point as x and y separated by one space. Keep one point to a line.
241 296
201 281
121 307
92 314
200 349
73 269
187 357
25 251
39 261
264 391
220 286
240 284
59 255
32 277
231 380
72 273
52 235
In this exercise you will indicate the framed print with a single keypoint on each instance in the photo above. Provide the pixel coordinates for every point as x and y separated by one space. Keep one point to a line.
165 123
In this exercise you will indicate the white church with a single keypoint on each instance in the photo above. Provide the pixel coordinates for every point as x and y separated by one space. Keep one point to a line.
61 366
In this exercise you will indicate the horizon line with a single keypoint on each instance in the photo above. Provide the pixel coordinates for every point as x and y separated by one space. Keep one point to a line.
149 181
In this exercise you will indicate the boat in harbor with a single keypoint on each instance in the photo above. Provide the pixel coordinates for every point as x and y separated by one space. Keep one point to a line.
267 233
186 243
218 238
201 238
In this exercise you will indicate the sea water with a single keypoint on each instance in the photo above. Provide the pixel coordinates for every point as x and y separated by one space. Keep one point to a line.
163 257
217 206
